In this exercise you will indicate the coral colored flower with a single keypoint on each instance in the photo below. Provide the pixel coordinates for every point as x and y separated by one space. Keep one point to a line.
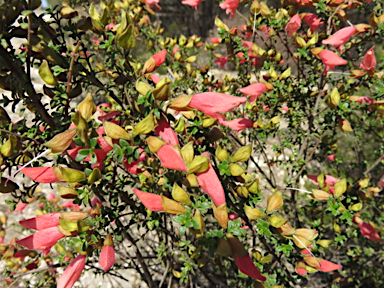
41 240
175 49
216 40
156 203
366 230
230 6
247 266
237 124
132 168
331 157
324 266
293 25
212 103
20 207
254 91
72 273
221 61
159 58
155 79
362 99
211 184
41 222
166 132
71 205
369 60
285 108
192 3
330 60
110 26
328 180
300 268
107 257
313 21
152 2
51 197
41 174
170 159
339 38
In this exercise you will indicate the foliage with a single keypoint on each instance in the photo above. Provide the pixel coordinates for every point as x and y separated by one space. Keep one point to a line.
266 177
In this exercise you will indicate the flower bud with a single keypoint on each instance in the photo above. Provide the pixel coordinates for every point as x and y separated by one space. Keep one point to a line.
286 73
61 141
300 41
198 233
277 222
236 169
286 230
162 92
208 122
253 213
344 125
142 87
172 207
242 191
333 99
180 125
274 202
67 193
94 176
199 164
356 207
72 175
73 216
9 147
180 195
191 181
82 127
355 74
221 214
340 188
115 131
254 187
221 153
3 219
242 154
145 126
188 153
320 194
364 183
324 243
181 103
264 10
87 107
154 143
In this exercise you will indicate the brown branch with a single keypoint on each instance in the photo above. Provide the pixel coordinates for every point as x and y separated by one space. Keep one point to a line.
73 57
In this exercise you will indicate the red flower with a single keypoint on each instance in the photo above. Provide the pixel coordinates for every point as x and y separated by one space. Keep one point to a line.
313 21
221 61
330 60
341 37
237 124
366 230
369 60
230 6
215 40
211 184
41 222
72 273
192 3
158 203
41 174
166 132
132 168
293 25
331 157
254 91
107 255
42 240
170 159
321 264
247 266
159 58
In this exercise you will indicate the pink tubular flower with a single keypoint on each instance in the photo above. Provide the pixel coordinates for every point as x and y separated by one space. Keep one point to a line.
41 174
150 201
72 273
331 157
324 266
221 61
366 230
212 103
247 266
330 60
42 240
216 40
159 57
71 205
328 180
41 222
361 99
254 90
237 124
230 6
192 3
369 60
293 25
211 184
170 159
313 21
339 38
107 257
20 207
166 132
152 2
155 79
132 168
